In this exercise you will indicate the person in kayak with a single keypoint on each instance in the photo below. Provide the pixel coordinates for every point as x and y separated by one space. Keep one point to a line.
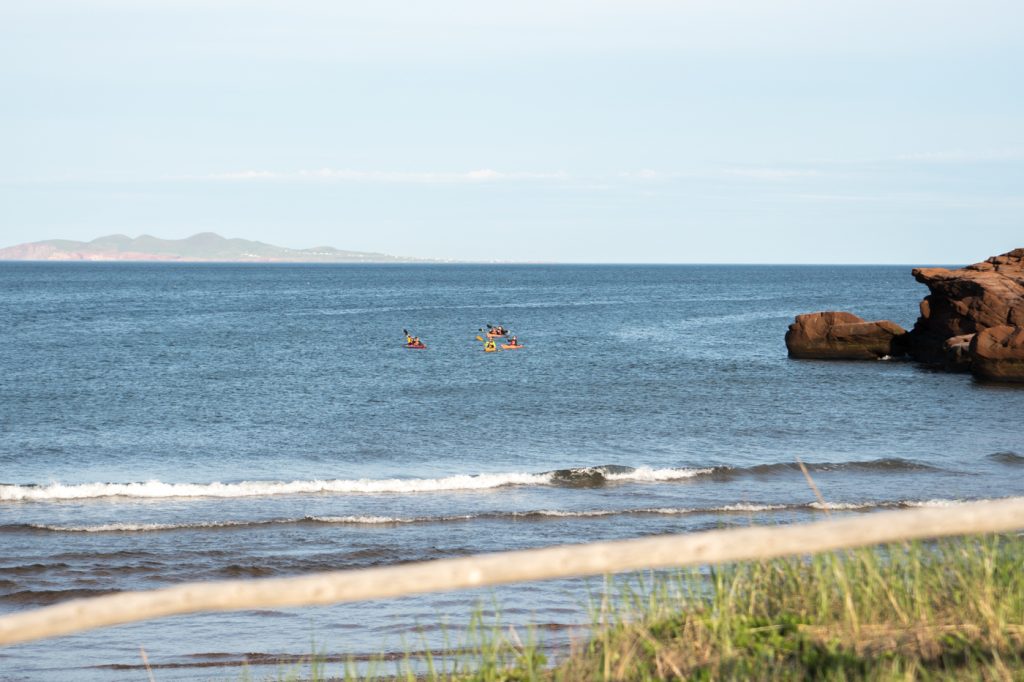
490 345
412 341
514 341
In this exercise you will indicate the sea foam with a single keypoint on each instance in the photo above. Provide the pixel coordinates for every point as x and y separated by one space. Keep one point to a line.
552 514
159 489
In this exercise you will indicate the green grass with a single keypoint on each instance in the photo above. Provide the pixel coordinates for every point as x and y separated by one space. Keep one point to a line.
950 610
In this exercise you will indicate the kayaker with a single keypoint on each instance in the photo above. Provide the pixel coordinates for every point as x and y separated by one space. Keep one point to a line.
490 345
514 341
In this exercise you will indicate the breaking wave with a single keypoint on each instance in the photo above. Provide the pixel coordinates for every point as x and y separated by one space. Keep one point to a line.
159 489
590 477
533 515
582 477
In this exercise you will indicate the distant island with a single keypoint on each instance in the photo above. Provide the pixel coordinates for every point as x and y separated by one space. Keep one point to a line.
203 247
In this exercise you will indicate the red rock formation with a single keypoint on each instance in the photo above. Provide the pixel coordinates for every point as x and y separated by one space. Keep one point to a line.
967 300
972 319
997 353
842 336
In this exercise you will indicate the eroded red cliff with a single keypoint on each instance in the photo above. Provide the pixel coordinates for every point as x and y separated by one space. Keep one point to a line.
965 301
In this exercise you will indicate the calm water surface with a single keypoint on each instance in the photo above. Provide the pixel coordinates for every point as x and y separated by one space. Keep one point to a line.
169 423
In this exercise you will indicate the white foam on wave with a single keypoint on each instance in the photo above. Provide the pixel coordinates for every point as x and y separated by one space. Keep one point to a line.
568 514
144 527
360 520
954 503
931 503
654 475
136 527
905 504
660 511
726 508
844 506
394 520
159 489
751 507
497 515
155 489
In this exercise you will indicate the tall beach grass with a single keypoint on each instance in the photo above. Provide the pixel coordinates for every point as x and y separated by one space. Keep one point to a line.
946 610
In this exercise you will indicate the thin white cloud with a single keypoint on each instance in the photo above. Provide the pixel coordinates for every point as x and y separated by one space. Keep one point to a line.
772 174
482 175
645 174
724 174
246 175
960 156
931 199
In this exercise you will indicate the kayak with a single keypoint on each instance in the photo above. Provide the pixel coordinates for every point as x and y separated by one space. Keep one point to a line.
495 336
490 350
506 346
421 346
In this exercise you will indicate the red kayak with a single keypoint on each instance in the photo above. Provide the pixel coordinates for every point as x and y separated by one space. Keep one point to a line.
417 346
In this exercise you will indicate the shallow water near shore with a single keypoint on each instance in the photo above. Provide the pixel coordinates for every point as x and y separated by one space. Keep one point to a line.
167 423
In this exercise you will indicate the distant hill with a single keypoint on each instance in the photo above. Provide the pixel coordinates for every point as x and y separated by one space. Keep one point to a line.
202 247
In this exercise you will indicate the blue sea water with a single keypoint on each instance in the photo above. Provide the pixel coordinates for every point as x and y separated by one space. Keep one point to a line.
165 423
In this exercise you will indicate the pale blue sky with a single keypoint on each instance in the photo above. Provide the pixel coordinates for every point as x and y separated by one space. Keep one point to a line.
601 131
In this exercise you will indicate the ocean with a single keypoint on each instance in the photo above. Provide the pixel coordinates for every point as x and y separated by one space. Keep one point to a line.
166 423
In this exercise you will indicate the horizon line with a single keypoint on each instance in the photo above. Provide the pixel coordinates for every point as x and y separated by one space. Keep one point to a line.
443 262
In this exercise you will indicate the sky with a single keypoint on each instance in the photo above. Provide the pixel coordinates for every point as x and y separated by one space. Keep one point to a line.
711 131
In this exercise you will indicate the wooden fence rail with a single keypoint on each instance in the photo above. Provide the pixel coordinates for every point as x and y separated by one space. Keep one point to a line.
597 558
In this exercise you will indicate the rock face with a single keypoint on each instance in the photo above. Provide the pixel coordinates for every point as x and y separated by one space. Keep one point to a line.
843 336
997 353
973 320
966 301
